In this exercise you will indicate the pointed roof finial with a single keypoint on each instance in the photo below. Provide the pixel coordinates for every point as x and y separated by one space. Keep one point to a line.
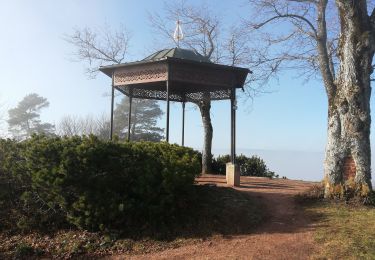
178 35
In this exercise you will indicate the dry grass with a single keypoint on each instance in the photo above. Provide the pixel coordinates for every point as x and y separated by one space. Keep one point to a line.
76 243
343 231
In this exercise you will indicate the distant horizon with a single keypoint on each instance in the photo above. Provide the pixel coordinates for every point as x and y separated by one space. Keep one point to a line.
309 162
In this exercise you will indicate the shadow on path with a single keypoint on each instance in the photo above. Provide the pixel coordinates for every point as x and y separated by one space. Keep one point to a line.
286 232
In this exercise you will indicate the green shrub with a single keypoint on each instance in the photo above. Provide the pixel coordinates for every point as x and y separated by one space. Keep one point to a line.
95 184
12 186
219 164
24 251
249 166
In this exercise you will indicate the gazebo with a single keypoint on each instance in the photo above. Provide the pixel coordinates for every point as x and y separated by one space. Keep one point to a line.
179 75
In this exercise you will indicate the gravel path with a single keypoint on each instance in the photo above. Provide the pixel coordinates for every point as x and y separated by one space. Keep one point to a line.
287 233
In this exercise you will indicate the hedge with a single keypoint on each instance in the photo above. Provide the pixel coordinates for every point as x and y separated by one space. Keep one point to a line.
94 184
249 166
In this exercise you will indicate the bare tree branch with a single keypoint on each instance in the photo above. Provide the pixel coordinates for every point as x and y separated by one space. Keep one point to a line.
322 48
199 25
99 47
74 125
293 16
302 39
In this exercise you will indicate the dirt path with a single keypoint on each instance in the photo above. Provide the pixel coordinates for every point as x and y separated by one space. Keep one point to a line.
287 234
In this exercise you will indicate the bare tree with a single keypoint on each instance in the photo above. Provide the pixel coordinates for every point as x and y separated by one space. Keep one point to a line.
200 26
103 126
335 40
99 47
86 125
74 125
104 47
201 33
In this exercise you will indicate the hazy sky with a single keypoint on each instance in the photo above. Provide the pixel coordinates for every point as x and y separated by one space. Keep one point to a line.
34 58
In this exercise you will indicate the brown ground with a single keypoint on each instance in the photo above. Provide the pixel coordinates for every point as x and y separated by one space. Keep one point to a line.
287 233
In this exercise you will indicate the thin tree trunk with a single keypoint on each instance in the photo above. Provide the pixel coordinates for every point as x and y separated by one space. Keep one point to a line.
349 106
133 120
205 107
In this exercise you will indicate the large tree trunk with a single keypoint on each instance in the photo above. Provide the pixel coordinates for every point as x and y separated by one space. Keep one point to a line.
348 153
205 107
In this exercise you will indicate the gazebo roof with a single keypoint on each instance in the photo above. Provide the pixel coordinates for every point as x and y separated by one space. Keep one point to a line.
177 53
188 74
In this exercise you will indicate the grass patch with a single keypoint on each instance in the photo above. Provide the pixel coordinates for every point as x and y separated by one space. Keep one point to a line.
343 231
216 211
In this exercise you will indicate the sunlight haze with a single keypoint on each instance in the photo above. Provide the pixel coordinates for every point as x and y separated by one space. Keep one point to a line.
286 127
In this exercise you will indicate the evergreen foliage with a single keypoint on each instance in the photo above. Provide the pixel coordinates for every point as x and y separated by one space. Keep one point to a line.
24 119
249 166
94 184
144 117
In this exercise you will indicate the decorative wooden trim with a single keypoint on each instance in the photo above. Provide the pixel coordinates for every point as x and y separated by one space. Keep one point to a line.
193 97
187 82
140 74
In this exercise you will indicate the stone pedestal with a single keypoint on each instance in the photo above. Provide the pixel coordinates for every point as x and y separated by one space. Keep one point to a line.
233 174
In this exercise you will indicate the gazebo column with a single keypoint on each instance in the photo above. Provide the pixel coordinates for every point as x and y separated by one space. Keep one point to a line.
112 104
233 125
130 112
167 126
233 170
183 124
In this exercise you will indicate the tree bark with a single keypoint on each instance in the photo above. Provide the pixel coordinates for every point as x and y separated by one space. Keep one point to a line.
349 116
205 107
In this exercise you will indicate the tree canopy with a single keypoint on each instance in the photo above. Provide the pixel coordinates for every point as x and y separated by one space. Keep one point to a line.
144 118
24 119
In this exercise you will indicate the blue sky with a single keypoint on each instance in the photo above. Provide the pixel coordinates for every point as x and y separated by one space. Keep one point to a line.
35 58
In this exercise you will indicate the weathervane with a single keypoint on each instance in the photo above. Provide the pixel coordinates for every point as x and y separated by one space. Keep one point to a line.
178 35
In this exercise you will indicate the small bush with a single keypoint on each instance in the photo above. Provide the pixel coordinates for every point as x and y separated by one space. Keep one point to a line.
219 164
352 193
24 251
313 194
249 166
95 184
348 193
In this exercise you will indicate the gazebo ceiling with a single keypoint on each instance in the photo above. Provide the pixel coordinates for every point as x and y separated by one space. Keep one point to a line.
188 73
